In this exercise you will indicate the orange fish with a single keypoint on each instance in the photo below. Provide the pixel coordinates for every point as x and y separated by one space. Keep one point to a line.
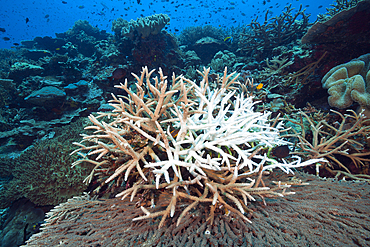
259 86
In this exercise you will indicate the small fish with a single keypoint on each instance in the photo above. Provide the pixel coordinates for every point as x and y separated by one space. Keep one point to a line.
15 44
319 7
104 6
57 49
138 1
81 7
175 132
27 20
259 86
2 29
230 39
46 16
36 227
64 2
6 38
281 151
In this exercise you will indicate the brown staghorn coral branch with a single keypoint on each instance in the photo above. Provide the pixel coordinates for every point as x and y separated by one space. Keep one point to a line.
202 198
136 157
204 83
88 179
226 82
170 210
233 209
329 141
360 177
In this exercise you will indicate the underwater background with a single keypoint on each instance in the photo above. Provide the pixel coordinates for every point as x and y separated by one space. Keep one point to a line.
306 63
45 18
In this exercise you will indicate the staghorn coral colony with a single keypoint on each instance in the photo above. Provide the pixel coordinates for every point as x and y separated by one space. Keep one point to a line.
203 145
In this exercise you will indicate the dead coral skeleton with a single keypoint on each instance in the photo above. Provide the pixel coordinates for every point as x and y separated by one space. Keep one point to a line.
202 145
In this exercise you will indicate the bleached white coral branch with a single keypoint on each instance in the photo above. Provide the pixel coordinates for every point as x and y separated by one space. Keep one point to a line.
222 122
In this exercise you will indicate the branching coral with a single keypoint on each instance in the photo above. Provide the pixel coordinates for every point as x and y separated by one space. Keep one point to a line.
276 72
333 141
337 7
204 146
274 31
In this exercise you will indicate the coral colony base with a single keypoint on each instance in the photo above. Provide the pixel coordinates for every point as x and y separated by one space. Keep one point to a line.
196 142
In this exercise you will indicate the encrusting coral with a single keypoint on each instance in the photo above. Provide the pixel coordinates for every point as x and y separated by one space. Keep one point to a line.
201 144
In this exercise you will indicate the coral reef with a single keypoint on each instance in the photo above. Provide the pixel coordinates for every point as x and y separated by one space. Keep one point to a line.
84 36
36 54
207 47
47 96
192 59
194 156
43 43
337 7
146 43
20 70
343 37
7 89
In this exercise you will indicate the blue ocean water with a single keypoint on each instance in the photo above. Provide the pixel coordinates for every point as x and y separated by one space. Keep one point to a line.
27 19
